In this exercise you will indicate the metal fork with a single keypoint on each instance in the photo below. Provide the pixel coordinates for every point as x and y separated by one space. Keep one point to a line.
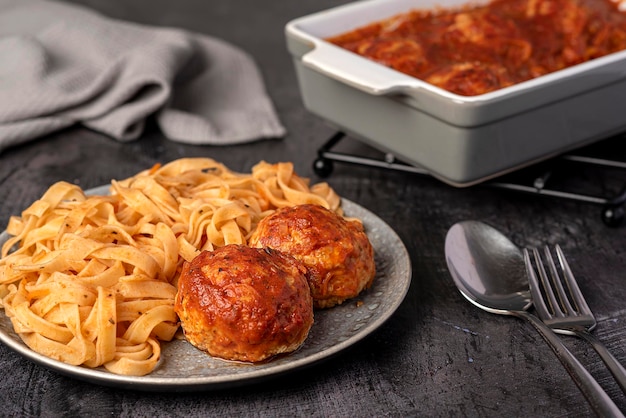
563 308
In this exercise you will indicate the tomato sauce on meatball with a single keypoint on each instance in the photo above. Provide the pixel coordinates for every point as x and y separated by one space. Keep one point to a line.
336 250
246 304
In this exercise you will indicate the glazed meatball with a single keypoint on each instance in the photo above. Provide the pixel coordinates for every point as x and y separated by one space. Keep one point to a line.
246 304
337 252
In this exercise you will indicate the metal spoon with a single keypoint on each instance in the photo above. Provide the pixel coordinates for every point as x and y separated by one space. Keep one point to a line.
489 271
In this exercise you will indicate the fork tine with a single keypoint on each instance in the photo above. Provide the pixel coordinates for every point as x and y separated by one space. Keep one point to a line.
570 281
535 289
555 308
565 306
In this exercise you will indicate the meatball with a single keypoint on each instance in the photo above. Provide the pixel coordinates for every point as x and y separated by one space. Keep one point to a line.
246 304
337 252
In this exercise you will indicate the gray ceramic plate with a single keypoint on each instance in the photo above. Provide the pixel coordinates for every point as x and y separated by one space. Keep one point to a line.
184 368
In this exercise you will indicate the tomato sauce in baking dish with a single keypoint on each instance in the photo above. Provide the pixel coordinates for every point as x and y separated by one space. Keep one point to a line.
474 49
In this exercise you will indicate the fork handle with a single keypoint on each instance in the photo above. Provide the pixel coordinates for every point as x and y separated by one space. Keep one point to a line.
618 371
596 396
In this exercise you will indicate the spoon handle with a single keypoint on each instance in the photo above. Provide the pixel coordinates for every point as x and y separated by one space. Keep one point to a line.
597 397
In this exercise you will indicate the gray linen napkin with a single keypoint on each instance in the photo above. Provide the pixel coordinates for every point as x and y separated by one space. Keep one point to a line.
63 65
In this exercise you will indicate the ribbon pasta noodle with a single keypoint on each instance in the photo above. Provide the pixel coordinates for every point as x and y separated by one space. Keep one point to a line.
91 280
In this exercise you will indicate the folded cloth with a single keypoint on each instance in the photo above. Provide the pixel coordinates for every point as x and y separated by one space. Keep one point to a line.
63 65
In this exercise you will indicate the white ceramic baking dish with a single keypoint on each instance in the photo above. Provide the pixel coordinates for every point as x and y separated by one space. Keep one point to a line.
461 140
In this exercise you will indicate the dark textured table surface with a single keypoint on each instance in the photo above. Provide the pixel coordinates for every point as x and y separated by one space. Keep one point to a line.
437 355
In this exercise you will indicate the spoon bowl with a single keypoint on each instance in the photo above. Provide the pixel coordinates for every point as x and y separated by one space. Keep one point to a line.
489 271
487 268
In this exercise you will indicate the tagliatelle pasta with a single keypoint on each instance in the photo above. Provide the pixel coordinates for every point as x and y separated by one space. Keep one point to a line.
91 280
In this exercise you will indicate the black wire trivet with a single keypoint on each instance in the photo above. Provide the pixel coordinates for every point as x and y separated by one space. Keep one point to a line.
532 180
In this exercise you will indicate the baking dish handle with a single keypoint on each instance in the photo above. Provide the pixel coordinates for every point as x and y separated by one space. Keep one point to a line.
356 71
